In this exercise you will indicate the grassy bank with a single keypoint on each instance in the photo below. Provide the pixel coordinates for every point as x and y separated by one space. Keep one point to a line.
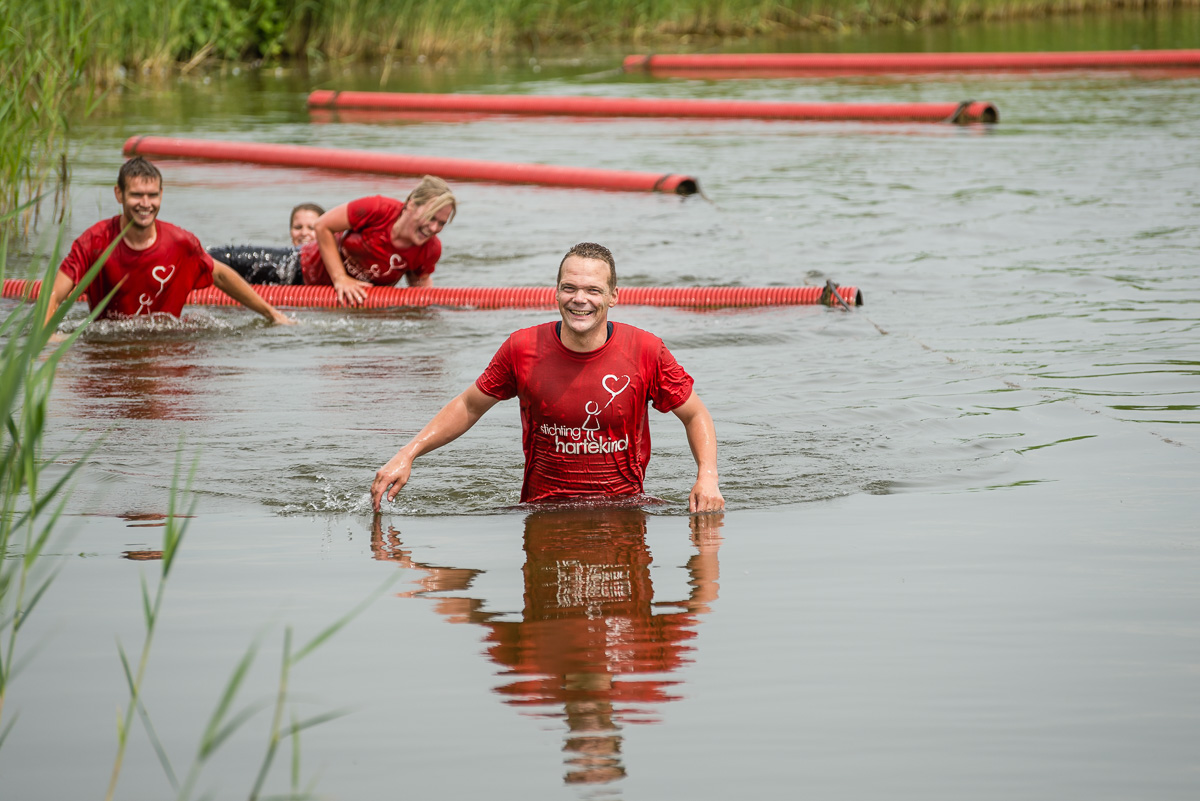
43 59
376 27
153 35
56 54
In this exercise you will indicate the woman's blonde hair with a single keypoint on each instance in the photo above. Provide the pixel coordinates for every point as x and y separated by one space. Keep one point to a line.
433 195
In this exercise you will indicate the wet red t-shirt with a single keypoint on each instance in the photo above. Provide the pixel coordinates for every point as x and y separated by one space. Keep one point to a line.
586 430
367 250
157 279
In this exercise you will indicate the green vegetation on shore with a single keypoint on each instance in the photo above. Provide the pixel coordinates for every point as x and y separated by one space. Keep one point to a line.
141 35
56 54
44 49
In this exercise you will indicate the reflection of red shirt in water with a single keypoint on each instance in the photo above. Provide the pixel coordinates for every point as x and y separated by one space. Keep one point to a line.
590 611
367 249
157 279
586 430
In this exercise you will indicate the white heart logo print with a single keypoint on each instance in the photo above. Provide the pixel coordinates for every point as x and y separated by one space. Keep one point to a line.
610 390
163 276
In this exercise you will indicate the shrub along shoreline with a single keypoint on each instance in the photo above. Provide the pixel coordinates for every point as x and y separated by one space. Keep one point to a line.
56 55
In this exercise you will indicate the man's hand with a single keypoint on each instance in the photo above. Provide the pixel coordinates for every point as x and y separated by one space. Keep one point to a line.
391 478
227 279
705 496
702 438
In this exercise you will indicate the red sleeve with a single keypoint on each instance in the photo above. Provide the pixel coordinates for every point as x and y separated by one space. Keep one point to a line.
77 261
500 378
367 212
672 385
84 252
430 256
204 262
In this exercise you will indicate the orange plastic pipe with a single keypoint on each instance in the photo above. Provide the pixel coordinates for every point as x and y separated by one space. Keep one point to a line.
400 164
651 107
384 297
848 63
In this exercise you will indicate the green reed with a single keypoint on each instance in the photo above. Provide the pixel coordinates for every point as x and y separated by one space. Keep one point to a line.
44 53
227 718
418 27
32 498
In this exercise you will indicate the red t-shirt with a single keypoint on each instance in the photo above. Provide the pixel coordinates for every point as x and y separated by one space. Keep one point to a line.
586 431
590 609
367 250
157 279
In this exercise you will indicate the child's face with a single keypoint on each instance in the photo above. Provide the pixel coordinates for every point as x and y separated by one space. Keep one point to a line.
304 229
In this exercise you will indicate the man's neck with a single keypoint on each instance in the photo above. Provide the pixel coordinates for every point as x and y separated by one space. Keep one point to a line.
140 238
592 343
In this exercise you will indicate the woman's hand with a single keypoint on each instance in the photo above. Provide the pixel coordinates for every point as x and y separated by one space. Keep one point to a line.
351 291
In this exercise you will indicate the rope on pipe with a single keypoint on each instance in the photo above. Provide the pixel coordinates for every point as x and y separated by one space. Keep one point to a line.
401 164
968 111
848 63
387 297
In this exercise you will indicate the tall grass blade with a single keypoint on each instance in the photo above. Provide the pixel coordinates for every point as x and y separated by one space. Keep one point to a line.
280 700
294 729
341 622
38 592
156 742
8 727
218 729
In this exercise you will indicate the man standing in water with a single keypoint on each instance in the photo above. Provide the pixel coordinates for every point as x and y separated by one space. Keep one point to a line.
153 264
584 384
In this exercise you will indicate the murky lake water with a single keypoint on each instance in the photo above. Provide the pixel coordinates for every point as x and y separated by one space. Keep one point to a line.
961 550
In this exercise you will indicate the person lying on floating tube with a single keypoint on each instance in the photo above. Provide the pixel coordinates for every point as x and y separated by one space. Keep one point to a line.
274 265
153 265
370 241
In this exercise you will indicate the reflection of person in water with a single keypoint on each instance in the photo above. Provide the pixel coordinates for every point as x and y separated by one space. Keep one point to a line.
592 639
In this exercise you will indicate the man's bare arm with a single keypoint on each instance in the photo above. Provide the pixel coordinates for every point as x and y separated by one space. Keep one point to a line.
454 420
58 292
233 285
702 439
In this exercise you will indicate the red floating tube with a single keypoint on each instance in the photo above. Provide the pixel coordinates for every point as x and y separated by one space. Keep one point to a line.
651 107
399 164
849 63
384 297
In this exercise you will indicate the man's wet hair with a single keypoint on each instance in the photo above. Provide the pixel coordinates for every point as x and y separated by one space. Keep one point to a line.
590 250
137 167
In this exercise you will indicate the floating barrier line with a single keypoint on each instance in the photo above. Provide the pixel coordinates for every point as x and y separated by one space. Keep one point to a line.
966 112
388 297
916 62
400 164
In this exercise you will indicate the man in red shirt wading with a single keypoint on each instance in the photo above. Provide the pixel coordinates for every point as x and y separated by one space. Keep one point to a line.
584 385
155 263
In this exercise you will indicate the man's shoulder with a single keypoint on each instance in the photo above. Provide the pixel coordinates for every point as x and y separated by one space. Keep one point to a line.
532 333
637 337
173 233
527 344
102 233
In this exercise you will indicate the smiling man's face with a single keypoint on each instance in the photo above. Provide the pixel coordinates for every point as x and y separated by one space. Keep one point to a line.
140 201
584 298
